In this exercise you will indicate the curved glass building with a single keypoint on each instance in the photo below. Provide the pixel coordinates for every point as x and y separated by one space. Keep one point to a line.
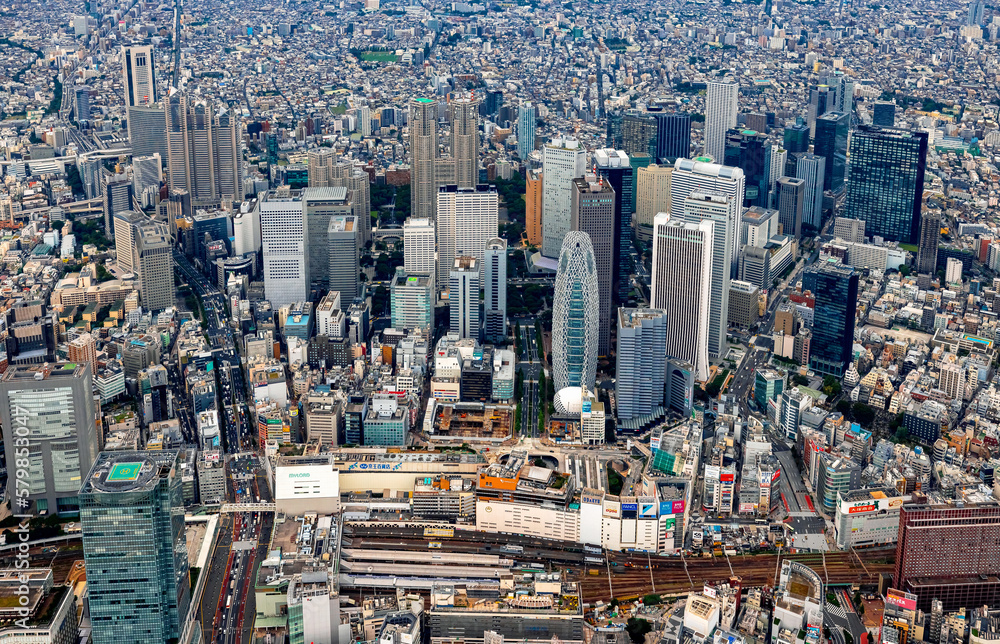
574 314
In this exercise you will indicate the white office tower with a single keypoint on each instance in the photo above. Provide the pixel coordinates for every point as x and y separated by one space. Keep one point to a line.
319 162
699 176
126 223
721 105
154 265
138 78
365 120
811 169
641 362
204 151
423 154
495 290
418 247
575 312
246 228
145 174
698 207
283 247
342 244
681 286
463 297
563 160
465 141
466 220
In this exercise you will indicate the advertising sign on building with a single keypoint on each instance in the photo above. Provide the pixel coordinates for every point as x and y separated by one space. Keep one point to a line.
901 599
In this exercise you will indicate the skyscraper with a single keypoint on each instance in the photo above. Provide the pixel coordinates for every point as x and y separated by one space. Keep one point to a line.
574 314
533 208
495 290
721 104
138 80
134 545
673 136
283 247
887 182
748 151
525 129
118 195
638 134
640 362
700 176
145 174
593 208
204 151
681 286
821 101
831 144
342 245
126 229
412 301
614 167
791 195
147 130
153 264
357 182
418 246
796 138
463 297
423 154
81 103
884 114
465 141
811 169
717 208
652 196
949 552
320 160
930 233
466 220
835 288
563 161
52 405
977 12
319 207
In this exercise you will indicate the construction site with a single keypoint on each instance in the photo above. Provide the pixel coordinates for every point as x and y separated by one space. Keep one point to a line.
472 423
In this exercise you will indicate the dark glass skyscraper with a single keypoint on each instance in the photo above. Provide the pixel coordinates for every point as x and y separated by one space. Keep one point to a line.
614 166
831 144
747 150
886 182
835 288
673 136
796 138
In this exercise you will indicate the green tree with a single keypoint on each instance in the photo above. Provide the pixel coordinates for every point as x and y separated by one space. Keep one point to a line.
863 414
636 627
831 386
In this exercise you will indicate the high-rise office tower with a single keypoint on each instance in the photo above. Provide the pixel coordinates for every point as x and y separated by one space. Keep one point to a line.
777 161
821 101
90 175
419 239
563 161
319 207
283 247
134 545
614 167
831 144
52 406
811 169
640 362
638 134
118 197
574 314
31 335
703 206
835 288
342 245
145 174
673 136
930 233
884 114
593 207
533 208
423 154
748 151
652 196
698 176
796 138
358 184
411 301
81 103
721 104
465 141
466 220
977 12
843 88
204 151
525 129
127 224
463 297
791 196
887 182
949 552
681 285
138 80
147 130
495 290
320 160
153 264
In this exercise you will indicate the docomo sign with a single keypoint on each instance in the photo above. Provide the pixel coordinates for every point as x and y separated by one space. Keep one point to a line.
899 599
